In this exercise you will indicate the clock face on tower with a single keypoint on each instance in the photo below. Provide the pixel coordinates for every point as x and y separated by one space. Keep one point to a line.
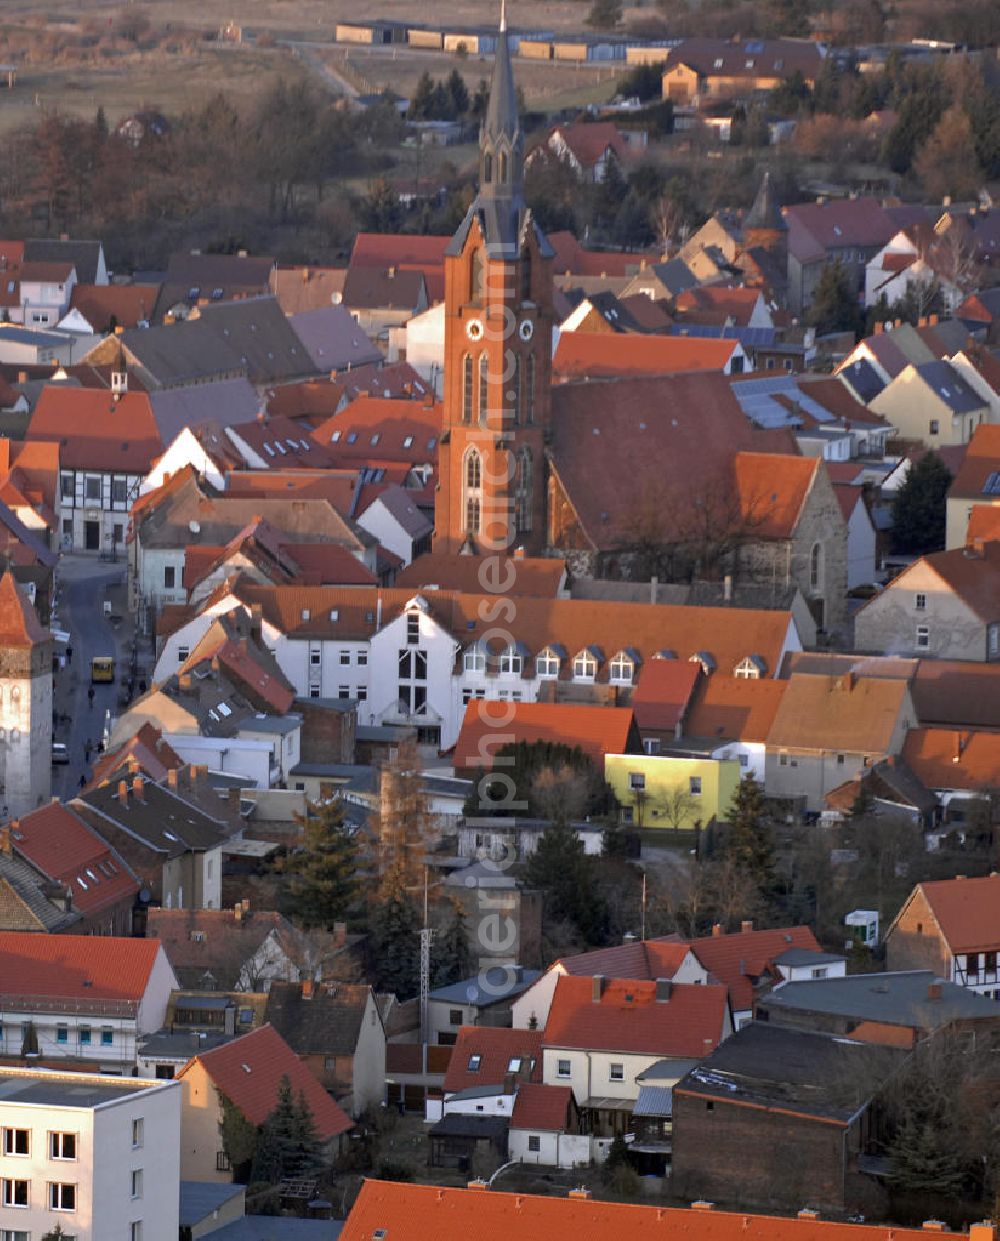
526 329
474 329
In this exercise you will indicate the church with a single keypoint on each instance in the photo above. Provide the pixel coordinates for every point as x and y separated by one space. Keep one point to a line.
599 471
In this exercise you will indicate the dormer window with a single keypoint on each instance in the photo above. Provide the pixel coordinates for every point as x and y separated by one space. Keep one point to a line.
475 659
706 660
511 662
622 669
547 664
585 666
750 669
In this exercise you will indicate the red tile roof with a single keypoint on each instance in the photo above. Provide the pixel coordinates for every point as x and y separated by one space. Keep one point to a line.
248 1071
651 958
716 304
105 306
597 355
144 751
540 576
622 449
984 524
735 960
488 726
772 491
374 429
663 694
75 967
967 911
541 1107
588 141
385 249
19 623
96 432
412 1212
496 1047
571 257
629 1018
68 852
948 758
734 708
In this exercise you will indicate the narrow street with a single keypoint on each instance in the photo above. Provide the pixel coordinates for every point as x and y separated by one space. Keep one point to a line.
84 585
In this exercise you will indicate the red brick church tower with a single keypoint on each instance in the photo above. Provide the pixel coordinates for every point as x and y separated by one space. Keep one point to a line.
498 350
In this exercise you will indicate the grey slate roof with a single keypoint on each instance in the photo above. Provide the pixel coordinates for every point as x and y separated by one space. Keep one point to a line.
900 999
327 1024
654 1101
278 1228
226 402
942 378
84 255
802 956
862 379
25 902
160 820
251 337
498 984
402 508
200 1198
333 339
811 1074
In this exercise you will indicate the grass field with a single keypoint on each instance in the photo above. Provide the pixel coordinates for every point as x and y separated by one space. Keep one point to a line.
169 83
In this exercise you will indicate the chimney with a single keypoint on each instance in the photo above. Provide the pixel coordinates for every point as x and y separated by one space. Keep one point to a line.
597 988
654 586
746 926
580 1192
256 620
702 1205
184 682
68 900
934 1225
308 988
848 681
922 321
934 991
663 989
5 844
137 787
339 933
716 929
22 377
808 1213
305 275
238 913
933 320
229 1019
172 778
123 792
984 1231
477 1184
508 1083
879 327
727 588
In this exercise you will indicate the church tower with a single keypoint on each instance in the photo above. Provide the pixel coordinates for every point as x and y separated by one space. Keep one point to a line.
764 227
498 350
25 703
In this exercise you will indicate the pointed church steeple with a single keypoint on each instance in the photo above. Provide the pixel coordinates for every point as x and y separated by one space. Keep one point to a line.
500 203
764 224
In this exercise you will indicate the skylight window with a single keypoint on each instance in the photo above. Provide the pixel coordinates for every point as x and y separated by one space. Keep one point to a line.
408 442
335 438
352 437
269 450
225 709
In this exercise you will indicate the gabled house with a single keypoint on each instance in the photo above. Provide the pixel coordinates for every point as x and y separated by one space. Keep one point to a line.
96 883
588 148
962 768
336 1030
602 1034
383 298
173 847
976 485
704 70
544 1127
231 949
483 1000
943 606
952 927
81 998
597 731
107 444
932 403
247 1074
194 279
729 718
829 729
671 791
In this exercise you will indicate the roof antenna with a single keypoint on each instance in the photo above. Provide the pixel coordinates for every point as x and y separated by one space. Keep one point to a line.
503 16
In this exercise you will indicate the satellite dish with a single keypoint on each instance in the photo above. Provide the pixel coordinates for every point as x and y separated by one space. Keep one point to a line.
194 527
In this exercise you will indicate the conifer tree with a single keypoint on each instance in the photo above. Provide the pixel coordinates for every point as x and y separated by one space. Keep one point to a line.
451 956
749 841
277 1151
396 938
325 885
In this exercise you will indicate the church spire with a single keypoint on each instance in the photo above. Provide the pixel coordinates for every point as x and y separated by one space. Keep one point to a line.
501 147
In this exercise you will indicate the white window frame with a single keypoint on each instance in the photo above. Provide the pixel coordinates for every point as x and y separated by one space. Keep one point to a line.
584 667
8 1192
547 665
923 637
56 1195
622 669
474 659
510 663
9 1133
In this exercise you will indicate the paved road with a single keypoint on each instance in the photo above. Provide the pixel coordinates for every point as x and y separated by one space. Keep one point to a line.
335 82
84 584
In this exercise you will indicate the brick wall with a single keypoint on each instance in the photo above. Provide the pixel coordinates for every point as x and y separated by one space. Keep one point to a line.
731 1154
327 732
915 942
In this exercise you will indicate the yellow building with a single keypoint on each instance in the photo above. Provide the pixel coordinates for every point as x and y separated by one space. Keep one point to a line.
663 791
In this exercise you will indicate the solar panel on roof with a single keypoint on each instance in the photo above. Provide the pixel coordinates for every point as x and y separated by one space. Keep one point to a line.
992 485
